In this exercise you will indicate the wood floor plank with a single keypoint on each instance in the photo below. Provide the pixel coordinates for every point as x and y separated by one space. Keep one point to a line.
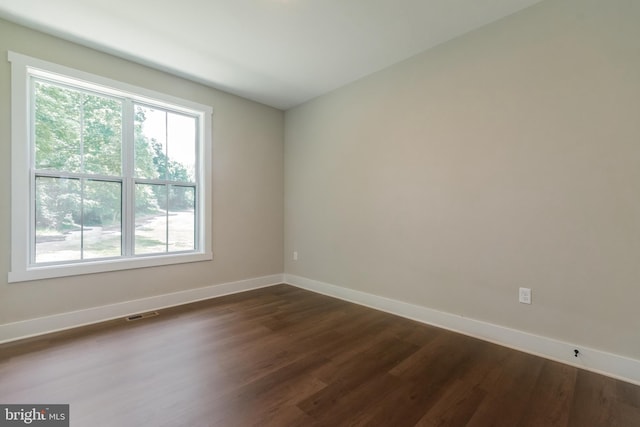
456 406
508 393
603 401
282 356
354 405
347 376
425 381
553 395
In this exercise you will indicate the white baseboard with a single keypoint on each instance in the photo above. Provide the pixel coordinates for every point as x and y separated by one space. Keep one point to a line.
58 322
612 365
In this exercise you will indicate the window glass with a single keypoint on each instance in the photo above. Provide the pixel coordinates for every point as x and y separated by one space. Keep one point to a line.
151 219
58 217
182 218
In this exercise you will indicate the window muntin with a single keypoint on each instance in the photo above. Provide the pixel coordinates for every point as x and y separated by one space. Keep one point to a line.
108 188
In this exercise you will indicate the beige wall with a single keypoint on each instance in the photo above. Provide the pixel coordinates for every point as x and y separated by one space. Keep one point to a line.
508 157
247 190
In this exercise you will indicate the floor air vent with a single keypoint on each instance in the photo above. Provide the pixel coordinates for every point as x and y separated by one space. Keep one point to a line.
141 316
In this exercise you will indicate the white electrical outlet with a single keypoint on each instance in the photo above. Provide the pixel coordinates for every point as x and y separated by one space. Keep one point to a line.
525 296
295 255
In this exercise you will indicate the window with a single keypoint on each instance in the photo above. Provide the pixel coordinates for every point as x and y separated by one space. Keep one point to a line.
105 176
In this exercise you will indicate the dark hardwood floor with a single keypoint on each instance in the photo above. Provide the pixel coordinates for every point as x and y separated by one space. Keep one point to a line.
282 356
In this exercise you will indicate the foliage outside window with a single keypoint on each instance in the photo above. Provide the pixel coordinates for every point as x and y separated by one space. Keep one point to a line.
115 177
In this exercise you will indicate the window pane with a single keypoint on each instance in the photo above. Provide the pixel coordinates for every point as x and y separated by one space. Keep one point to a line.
102 135
150 142
151 219
58 231
181 218
57 128
181 147
102 208
77 131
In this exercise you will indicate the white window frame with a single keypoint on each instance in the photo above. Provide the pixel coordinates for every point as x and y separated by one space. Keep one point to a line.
22 269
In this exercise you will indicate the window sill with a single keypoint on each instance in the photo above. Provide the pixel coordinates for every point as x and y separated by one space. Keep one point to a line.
53 271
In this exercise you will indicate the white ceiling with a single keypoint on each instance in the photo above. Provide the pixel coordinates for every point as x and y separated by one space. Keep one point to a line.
278 52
